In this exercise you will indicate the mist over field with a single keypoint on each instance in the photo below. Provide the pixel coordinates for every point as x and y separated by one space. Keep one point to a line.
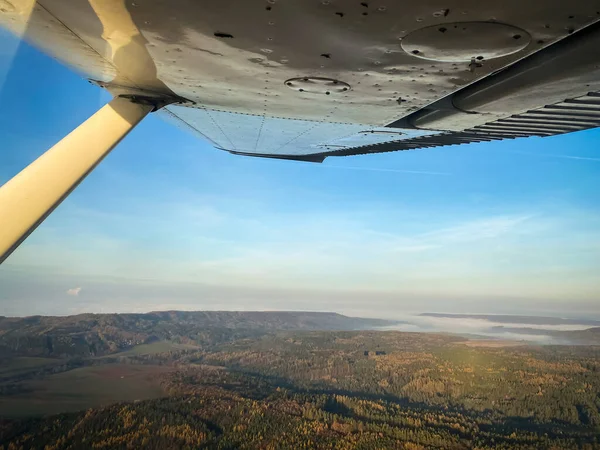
542 330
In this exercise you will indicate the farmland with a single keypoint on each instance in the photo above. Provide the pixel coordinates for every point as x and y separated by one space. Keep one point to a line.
83 388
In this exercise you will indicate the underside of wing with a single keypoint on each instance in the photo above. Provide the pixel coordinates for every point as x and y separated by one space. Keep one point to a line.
304 80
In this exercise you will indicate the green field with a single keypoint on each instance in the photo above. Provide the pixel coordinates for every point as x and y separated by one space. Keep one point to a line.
84 388
15 366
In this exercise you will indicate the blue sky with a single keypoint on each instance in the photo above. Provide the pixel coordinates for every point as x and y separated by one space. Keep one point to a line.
166 221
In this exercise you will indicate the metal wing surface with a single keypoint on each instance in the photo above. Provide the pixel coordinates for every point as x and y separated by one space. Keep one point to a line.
307 79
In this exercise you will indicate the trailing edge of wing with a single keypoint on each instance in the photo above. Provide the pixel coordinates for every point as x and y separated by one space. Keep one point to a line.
570 115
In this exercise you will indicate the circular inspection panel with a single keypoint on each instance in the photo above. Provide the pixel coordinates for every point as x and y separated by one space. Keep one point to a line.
317 85
465 41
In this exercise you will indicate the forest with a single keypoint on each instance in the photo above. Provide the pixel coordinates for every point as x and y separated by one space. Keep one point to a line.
232 388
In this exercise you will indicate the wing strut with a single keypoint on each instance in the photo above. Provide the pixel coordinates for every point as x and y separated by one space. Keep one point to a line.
31 195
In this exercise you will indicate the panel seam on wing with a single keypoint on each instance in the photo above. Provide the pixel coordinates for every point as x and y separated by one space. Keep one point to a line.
286 118
262 123
298 135
219 127
176 117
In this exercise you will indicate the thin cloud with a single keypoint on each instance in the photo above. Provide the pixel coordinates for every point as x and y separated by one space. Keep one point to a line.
576 157
491 227
375 169
74 291
583 158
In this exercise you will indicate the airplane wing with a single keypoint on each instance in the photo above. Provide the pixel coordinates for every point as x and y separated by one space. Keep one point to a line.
307 79
304 80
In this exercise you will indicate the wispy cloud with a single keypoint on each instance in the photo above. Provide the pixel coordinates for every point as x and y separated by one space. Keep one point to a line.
376 248
469 231
582 158
377 169
477 229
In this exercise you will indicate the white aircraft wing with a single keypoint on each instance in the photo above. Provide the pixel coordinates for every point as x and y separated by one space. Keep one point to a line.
300 79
